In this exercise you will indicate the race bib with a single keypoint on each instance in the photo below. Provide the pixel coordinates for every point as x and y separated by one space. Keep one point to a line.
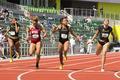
35 36
12 33
105 35
64 36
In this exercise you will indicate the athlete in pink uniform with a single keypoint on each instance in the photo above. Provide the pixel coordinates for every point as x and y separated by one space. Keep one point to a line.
33 34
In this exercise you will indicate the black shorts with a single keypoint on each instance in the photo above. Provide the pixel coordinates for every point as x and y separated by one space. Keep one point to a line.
63 40
102 42
14 40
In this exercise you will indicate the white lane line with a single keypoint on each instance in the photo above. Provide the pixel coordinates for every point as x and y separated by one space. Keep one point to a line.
28 72
65 65
73 72
75 60
25 73
49 63
88 61
117 74
19 76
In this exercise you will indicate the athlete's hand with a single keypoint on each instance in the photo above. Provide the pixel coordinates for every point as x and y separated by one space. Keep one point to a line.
27 39
54 27
45 35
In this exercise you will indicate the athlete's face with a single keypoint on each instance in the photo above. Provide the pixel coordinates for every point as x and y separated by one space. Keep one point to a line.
34 22
106 22
13 21
65 21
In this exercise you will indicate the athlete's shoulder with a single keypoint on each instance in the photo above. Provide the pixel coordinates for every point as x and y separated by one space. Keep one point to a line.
40 26
110 28
100 27
30 27
18 24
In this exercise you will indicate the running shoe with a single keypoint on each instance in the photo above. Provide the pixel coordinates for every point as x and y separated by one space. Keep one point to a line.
11 60
61 67
102 70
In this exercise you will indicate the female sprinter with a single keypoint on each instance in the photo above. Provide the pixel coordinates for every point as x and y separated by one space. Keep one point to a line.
35 40
63 45
103 41
13 38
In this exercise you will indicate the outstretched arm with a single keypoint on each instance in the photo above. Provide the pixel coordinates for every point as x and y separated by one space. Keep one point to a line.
95 35
16 27
73 33
28 34
113 36
6 31
44 31
55 28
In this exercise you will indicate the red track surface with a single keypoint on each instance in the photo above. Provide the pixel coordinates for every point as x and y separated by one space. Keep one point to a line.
82 67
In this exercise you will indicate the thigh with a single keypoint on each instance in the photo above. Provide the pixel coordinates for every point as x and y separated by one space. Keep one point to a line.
60 46
17 45
105 48
38 47
66 46
99 48
32 48
10 42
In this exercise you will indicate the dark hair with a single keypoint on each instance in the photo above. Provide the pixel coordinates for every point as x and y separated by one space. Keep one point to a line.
15 19
62 19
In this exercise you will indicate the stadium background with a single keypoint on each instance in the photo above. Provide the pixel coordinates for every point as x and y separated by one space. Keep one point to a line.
49 12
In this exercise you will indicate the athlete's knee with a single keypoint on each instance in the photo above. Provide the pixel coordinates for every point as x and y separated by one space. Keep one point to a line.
38 55
65 51
37 51
30 53
60 51
103 54
11 48
98 53
60 54
17 46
